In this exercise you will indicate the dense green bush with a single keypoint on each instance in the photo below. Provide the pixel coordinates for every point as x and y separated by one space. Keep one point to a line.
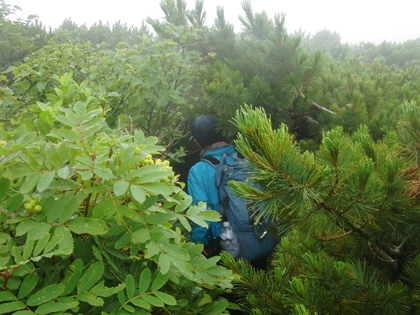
148 86
19 38
91 223
349 214
92 220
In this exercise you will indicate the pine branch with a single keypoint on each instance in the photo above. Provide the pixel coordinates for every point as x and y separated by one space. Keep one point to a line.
318 106
333 238
323 108
353 227
382 255
396 251
311 120
385 253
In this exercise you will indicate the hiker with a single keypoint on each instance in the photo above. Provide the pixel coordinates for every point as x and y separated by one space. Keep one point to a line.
216 153
201 186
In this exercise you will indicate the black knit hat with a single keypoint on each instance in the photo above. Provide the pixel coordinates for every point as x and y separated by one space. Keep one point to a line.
204 130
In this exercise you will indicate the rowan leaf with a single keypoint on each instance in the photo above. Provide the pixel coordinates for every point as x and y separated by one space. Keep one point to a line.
184 204
164 263
53 155
39 230
25 226
144 171
130 286
140 236
138 193
7 296
72 276
28 284
45 294
145 279
153 300
90 277
27 138
11 307
209 215
160 281
42 242
55 240
30 182
217 307
158 188
120 187
193 210
71 207
184 222
165 298
56 307
45 181
27 249
198 221
4 187
106 292
90 226
140 302
90 298
153 177
64 172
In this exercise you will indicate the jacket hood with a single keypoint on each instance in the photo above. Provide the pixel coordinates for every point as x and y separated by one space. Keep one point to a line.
218 149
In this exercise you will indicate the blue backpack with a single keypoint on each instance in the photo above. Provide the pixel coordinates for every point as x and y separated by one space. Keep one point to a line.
252 238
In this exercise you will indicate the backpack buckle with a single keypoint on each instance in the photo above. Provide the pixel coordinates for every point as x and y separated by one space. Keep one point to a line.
264 232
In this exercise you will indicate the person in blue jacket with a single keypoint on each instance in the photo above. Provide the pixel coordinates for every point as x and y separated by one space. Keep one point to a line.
201 185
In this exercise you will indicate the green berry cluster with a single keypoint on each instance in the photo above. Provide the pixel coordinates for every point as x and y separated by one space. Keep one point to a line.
166 167
147 160
2 143
31 205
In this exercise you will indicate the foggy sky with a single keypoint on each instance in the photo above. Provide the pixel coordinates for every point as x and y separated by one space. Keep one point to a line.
356 21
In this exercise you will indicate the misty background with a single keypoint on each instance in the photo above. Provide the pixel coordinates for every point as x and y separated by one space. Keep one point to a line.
356 21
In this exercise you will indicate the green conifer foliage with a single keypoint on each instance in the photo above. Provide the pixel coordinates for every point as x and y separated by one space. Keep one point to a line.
348 215
258 24
274 69
198 15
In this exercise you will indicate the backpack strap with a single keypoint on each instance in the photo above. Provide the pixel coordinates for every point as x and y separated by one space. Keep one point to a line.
219 166
209 158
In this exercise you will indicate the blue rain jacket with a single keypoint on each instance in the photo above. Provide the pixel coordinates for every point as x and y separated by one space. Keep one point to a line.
201 187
